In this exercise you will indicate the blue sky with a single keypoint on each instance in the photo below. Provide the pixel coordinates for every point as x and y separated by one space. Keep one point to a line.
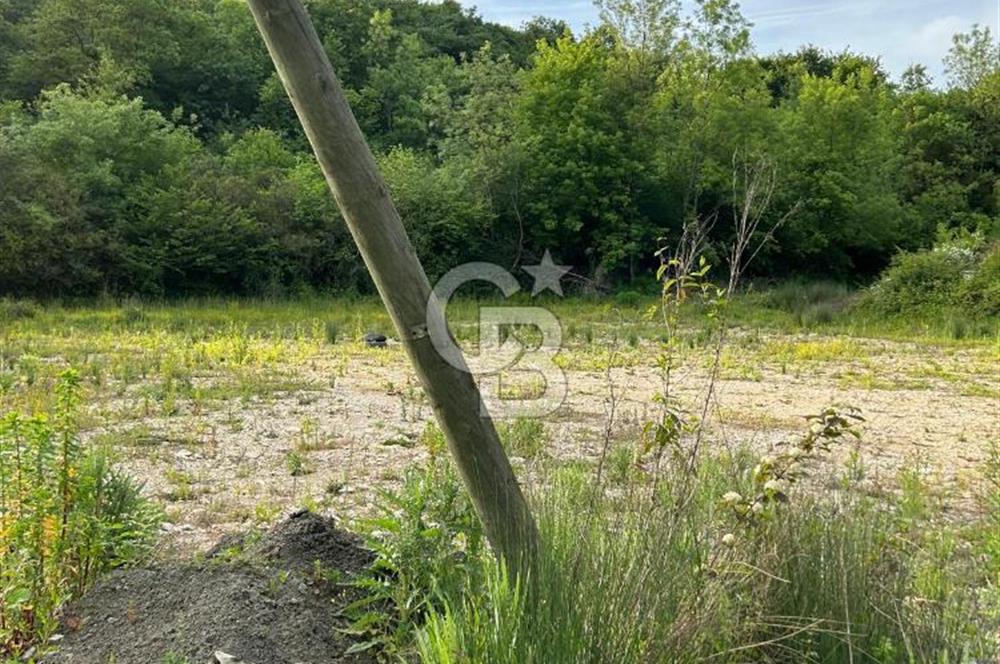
899 31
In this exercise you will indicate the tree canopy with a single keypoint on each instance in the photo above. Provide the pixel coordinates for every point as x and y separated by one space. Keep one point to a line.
147 147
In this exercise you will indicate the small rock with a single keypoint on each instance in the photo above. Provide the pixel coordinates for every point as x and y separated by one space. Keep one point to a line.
226 658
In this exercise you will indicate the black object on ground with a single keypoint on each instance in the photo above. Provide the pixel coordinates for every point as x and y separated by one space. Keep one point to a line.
375 340
267 599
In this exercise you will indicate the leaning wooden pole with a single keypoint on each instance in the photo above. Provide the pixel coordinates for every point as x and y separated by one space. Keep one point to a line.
364 200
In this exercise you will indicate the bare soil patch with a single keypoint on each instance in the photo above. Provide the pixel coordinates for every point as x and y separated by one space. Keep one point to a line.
275 602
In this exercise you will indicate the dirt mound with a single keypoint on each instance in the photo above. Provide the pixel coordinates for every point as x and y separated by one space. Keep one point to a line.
265 599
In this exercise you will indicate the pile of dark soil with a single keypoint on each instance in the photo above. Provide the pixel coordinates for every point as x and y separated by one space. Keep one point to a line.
266 599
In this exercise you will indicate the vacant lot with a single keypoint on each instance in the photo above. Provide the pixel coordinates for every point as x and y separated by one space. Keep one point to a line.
234 413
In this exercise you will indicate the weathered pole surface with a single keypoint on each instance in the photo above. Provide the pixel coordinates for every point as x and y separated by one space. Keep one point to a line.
364 201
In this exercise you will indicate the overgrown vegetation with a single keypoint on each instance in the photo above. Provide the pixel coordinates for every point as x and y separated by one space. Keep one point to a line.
959 274
164 379
66 516
132 166
746 564
670 550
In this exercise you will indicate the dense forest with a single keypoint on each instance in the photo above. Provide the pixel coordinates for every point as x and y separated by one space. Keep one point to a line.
147 147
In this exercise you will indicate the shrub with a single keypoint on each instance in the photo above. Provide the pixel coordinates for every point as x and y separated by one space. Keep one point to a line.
12 310
429 548
629 299
65 517
918 280
958 275
980 292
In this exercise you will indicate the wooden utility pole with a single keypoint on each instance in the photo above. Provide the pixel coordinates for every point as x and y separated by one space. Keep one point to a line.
364 200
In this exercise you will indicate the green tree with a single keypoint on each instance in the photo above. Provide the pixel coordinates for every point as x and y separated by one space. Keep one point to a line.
65 39
479 140
403 75
938 161
840 155
77 171
712 102
973 56
580 167
302 240
786 70
446 217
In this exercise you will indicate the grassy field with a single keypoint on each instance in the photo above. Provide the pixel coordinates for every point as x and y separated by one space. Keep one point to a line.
231 413
246 386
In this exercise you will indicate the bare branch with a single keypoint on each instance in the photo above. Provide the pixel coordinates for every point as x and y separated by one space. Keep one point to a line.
755 178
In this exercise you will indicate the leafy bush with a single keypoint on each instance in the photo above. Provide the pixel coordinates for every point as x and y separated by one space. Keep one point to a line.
628 299
65 517
920 279
957 274
429 548
981 290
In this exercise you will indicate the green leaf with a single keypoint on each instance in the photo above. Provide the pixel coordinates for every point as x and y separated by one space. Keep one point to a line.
18 596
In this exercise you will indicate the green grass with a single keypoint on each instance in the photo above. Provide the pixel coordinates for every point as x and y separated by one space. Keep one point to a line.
523 437
647 572
163 357
630 574
790 307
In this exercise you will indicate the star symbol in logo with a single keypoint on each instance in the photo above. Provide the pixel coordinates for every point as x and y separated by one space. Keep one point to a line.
547 275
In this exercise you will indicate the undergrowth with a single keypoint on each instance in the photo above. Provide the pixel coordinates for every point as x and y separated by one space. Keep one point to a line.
960 274
429 548
65 517
685 553
746 564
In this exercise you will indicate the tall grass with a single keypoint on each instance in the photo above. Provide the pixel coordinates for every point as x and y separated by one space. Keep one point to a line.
77 331
732 567
655 576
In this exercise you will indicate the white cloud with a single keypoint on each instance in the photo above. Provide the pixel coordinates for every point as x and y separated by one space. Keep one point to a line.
931 41
900 32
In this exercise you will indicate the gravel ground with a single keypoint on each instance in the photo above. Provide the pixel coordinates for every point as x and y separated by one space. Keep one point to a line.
356 428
